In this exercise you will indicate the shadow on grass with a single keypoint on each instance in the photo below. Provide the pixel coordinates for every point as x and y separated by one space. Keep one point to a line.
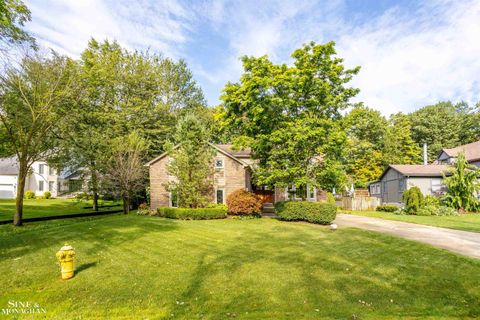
337 278
85 266
100 233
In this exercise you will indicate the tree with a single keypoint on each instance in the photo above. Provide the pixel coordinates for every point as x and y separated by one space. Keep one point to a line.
289 115
469 120
366 129
125 170
124 91
191 163
13 16
462 184
438 126
400 148
31 99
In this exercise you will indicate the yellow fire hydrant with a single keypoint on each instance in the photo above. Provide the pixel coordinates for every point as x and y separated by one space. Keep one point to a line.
65 257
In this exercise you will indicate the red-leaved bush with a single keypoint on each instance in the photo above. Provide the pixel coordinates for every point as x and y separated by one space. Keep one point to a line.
241 202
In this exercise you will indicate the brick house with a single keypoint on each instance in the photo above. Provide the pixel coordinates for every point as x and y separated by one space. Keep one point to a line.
233 171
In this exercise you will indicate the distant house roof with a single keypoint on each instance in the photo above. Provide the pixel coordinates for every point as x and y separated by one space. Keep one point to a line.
471 150
241 153
9 166
225 149
418 170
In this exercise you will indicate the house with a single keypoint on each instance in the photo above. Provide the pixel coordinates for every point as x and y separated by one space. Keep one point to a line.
395 179
428 177
471 151
41 178
233 171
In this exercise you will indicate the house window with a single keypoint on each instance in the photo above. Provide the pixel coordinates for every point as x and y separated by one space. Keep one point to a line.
218 163
377 189
311 193
40 185
401 185
219 196
51 171
51 184
174 199
41 168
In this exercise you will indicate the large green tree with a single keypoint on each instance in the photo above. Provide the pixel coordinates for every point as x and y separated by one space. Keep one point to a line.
191 163
125 91
289 115
400 148
438 126
32 99
366 129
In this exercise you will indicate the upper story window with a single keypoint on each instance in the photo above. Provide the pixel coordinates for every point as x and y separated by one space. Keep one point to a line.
219 163
51 171
41 168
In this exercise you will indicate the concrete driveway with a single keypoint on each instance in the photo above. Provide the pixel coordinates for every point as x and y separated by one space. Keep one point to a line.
463 242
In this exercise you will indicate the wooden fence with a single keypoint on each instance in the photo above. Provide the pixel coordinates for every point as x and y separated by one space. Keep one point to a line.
359 203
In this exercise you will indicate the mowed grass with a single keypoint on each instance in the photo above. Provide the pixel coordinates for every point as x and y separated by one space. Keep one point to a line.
466 222
136 267
49 207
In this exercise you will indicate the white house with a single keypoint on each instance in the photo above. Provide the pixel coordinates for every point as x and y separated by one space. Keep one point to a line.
41 178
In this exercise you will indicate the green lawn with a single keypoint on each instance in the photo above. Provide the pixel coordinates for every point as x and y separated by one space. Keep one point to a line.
467 222
49 207
136 267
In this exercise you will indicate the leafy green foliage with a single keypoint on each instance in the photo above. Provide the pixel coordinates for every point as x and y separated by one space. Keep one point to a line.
242 202
431 201
413 199
387 208
331 199
13 16
29 194
47 195
462 184
289 116
191 163
400 148
192 213
315 212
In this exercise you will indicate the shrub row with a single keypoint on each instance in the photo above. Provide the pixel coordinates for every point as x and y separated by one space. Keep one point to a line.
316 212
387 208
192 213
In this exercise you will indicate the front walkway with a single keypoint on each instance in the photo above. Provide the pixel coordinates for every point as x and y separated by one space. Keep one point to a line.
463 242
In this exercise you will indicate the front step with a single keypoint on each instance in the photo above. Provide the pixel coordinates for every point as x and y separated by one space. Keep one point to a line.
268 210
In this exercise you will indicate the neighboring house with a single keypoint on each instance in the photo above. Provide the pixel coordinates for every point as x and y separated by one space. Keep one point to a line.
395 179
233 171
41 178
471 151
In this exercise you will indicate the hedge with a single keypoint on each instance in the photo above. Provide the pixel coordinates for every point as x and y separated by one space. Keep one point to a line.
192 213
387 208
316 212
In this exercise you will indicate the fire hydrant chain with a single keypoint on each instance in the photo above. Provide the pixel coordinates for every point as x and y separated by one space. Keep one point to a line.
65 257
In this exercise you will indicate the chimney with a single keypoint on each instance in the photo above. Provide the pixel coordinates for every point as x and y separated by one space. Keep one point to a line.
425 154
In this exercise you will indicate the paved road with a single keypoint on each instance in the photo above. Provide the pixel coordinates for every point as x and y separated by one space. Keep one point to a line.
463 242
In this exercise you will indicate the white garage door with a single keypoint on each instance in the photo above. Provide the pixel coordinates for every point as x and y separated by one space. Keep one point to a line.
6 191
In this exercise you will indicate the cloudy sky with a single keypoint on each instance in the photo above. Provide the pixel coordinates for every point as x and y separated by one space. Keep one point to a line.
412 53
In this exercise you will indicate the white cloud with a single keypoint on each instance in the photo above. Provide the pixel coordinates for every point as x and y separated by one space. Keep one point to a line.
410 56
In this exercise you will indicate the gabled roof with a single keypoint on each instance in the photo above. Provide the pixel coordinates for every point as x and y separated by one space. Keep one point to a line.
418 170
9 166
225 149
471 150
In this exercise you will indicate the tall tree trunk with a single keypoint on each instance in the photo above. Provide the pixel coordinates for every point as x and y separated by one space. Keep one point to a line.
94 186
126 205
22 175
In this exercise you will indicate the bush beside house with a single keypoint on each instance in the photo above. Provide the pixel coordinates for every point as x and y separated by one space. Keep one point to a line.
193 213
315 212
242 202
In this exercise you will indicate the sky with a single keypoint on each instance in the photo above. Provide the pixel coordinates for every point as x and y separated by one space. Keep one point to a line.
411 53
